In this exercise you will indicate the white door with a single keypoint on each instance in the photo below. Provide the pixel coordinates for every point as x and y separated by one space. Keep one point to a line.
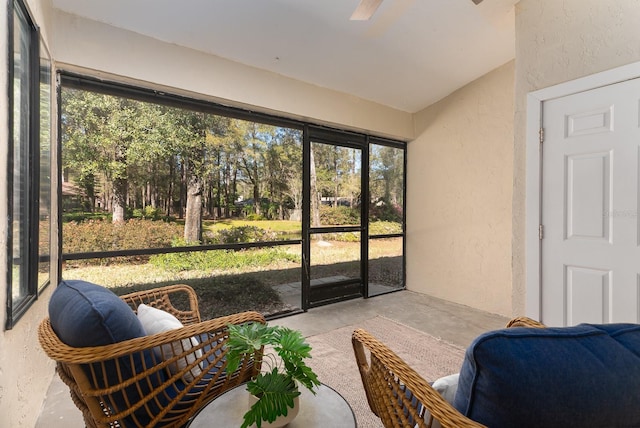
590 247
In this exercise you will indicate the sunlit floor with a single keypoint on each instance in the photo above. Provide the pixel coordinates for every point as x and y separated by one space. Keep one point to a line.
454 323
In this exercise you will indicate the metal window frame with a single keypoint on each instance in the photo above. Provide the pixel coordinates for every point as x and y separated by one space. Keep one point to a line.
42 48
15 312
320 133
402 146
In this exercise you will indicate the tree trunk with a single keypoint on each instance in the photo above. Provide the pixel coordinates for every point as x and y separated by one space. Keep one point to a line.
119 199
336 180
212 196
193 216
226 203
256 198
183 189
315 196
169 202
120 188
234 186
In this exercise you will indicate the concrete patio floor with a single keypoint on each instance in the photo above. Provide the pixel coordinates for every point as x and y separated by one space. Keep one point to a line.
452 322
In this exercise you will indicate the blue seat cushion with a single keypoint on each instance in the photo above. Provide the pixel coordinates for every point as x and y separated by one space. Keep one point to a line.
582 376
84 314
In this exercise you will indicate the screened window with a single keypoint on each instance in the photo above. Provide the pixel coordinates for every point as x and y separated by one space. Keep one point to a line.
255 212
44 165
24 166
386 217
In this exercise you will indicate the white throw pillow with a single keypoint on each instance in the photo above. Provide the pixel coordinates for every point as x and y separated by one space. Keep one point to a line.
446 386
157 321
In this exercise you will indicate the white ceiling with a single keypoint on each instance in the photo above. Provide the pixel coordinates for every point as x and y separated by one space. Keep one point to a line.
411 54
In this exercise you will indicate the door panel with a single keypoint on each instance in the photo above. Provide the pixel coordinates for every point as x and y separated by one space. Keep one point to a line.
588 293
334 257
590 249
335 230
588 197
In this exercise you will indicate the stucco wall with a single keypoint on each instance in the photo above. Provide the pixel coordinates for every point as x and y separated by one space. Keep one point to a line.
459 187
558 41
25 372
106 49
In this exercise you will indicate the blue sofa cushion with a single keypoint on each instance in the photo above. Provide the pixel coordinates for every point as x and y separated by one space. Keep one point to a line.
582 376
84 314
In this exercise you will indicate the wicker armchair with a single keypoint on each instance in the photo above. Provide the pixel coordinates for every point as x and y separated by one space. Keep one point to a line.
167 399
397 394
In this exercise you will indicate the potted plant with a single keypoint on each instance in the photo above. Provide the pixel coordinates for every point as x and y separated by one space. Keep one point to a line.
282 371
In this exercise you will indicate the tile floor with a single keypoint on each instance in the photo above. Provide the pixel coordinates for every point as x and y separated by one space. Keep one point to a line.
452 322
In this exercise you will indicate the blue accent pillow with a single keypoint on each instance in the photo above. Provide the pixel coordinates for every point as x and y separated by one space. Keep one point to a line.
582 376
84 314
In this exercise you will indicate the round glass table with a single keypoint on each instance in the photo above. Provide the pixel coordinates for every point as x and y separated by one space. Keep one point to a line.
325 409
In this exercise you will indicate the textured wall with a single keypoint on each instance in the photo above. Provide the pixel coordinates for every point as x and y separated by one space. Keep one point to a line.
25 372
459 195
103 48
559 41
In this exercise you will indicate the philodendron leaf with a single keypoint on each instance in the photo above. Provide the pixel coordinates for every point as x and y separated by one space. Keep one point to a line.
291 344
245 339
305 375
293 349
276 392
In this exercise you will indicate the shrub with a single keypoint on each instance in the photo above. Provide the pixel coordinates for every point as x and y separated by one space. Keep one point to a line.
339 215
148 213
81 216
221 259
341 237
384 227
92 235
241 234
248 209
255 217
382 210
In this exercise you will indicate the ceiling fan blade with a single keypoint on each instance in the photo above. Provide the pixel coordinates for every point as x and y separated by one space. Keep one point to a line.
365 10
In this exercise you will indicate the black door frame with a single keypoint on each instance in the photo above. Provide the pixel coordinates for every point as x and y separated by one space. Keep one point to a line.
338 290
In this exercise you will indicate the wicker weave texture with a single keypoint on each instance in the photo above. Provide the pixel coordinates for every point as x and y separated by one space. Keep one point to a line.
151 386
524 322
179 300
396 393
394 390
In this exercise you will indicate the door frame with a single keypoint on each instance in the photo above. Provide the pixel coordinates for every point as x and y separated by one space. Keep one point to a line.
533 193
357 142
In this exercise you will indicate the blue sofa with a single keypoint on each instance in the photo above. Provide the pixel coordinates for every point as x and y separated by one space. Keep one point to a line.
523 376
582 376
